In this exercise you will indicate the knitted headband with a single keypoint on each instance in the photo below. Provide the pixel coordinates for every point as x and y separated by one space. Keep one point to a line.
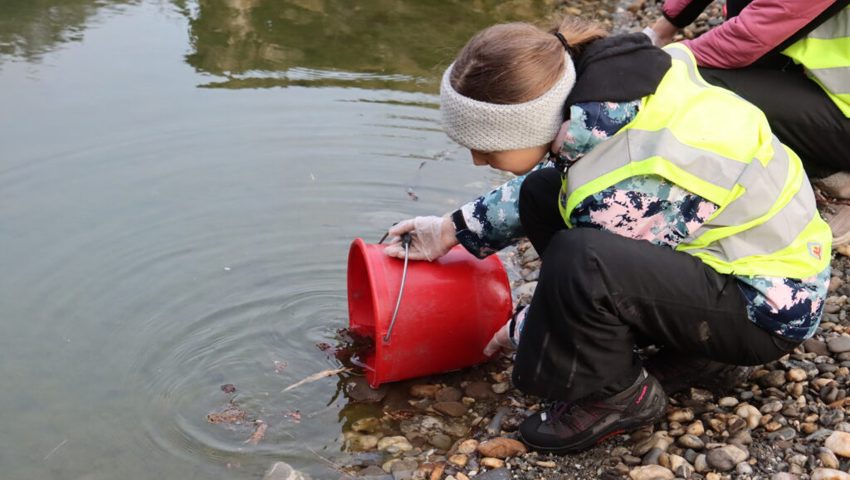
491 127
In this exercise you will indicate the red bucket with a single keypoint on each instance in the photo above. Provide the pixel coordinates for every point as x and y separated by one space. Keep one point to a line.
449 310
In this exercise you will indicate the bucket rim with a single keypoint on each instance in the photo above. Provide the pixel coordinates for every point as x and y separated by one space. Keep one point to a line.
373 375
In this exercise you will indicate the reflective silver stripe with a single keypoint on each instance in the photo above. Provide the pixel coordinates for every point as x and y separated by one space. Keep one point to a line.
836 80
763 186
677 54
779 230
775 234
635 145
836 27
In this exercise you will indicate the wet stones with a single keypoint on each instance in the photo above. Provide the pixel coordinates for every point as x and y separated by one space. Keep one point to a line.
424 391
283 471
448 394
394 444
725 458
452 409
479 391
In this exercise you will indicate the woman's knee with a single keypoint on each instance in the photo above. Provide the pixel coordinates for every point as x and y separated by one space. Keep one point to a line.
537 191
569 255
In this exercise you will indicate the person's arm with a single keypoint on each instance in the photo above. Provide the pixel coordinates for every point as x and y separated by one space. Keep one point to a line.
759 28
491 222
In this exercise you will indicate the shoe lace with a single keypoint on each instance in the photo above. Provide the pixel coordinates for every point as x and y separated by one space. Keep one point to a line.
557 410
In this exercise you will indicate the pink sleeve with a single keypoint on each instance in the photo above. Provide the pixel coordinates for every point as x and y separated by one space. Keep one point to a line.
757 30
672 8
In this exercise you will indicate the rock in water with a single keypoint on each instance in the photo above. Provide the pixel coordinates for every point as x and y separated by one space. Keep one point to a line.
283 471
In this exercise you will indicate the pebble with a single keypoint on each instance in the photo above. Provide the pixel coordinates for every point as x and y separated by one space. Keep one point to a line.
467 446
283 471
795 375
459 459
479 390
497 474
829 474
440 440
786 433
750 414
501 387
501 447
725 458
690 441
775 378
696 428
452 409
491 462
424 391
681 415
744 469
366 425
827 458
658 440
701 463
838 344
448 394
361 443
839 443
394 444
652 457
727 402
784 476
651 472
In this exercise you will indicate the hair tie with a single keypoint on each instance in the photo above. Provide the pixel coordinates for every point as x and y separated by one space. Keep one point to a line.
563 40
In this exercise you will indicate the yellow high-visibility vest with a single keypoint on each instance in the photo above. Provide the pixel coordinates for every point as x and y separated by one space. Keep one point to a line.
714 144
825 54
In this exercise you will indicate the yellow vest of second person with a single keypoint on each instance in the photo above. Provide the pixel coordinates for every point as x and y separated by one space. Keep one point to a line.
711 142
825 54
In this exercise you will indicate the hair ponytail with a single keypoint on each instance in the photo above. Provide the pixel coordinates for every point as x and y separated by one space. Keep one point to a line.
517 62
579 32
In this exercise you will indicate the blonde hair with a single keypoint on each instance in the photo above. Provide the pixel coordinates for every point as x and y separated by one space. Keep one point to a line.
518 62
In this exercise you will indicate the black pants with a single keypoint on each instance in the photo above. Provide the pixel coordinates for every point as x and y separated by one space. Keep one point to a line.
800 114
599 295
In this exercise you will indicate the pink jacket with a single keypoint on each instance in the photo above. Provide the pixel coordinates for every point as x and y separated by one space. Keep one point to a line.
757 30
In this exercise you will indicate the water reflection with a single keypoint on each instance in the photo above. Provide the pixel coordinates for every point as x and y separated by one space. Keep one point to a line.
373 44
31 28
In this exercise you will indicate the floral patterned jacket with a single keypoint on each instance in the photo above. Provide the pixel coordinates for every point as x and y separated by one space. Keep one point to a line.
642 207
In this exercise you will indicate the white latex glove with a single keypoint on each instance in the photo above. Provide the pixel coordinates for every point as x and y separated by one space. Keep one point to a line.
430 238
662 32
501 340
653 36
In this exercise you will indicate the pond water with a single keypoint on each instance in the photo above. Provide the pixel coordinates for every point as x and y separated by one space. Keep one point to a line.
179 185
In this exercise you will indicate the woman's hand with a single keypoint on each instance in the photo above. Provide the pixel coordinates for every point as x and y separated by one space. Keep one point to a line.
506 337
501 340
430 238
661 33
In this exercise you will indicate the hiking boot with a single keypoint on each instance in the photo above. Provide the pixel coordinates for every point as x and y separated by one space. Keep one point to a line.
567 427
678 371
838 218
833 194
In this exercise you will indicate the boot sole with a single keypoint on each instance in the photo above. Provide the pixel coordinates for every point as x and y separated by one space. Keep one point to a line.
615 428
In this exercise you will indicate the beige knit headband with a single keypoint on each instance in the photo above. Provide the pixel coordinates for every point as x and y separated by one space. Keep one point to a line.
490 127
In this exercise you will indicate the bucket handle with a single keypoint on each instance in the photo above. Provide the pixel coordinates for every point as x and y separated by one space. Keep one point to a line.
405 241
